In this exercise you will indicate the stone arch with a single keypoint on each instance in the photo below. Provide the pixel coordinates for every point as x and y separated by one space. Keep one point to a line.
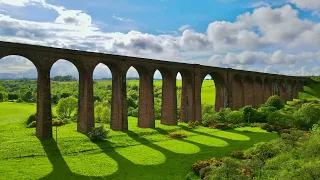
186 107
102 93
258 91
32 95
157 92
283 90
146 98
169 97
57 65
289 90
249 90
237 92
267 88
275 87
220 93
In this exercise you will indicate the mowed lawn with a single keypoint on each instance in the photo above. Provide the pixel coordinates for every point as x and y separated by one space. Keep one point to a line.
134 154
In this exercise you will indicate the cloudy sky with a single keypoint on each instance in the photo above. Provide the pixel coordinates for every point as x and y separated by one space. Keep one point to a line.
275 36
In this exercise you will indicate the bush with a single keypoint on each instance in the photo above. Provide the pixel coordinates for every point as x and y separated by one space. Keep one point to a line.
274 101
56 122
19 100
193 124
280 119
98 134
238 154
265 111
32 124
221 116
306 116
206 170
223 126
235 117
177 135
197 166
31 118
263 151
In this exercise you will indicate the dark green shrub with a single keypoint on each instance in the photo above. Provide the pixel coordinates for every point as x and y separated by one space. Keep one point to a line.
237 154
177 135
235 117
221 116
197 166
19 100
193 124
274 101
280 119
265 111
264 126
206 170
223 126
98 134
32 124
31 118
208 112
263 151
306 116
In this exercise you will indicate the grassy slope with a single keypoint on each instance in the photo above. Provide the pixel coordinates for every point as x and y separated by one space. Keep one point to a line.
310 92
136 154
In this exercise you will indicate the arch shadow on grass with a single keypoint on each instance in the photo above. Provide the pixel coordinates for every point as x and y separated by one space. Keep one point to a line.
174 166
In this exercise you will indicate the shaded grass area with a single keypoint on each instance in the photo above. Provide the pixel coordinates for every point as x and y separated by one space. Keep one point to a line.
135 154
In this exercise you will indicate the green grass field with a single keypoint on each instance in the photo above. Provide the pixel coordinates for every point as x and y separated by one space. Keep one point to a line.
135 154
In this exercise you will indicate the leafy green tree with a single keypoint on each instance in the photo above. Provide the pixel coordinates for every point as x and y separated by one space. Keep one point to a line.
102 114
274 101
66 106
307 115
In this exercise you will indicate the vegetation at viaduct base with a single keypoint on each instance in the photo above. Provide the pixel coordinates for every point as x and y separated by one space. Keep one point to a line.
294 155
249 135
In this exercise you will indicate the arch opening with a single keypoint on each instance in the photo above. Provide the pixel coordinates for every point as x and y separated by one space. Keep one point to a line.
18 87
157 94
102 94
132 91
64 83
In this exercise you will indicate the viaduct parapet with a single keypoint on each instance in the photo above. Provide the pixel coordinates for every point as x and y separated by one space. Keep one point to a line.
234 88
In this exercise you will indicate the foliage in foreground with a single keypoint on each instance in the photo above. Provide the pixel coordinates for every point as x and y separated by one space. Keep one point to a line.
295 155
98 134
177 135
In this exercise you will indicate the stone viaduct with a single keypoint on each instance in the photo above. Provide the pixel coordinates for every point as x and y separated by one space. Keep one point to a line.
234 88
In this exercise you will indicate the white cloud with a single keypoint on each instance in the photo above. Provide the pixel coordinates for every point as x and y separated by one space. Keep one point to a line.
260 4
74 17
307 4
121 19
253 57
194 40
242 41
184 27
18 2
